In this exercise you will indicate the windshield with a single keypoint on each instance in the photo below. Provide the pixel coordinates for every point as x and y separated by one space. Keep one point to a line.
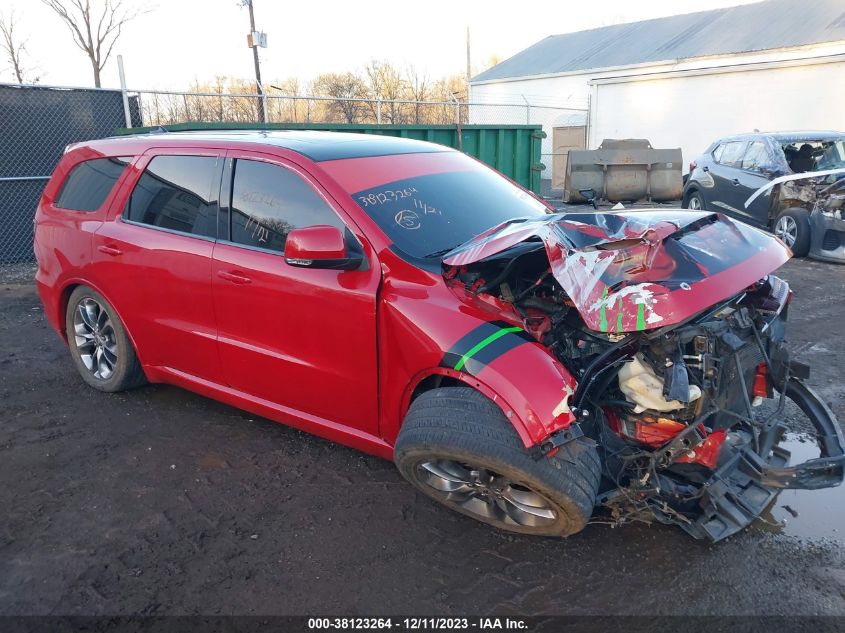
428 214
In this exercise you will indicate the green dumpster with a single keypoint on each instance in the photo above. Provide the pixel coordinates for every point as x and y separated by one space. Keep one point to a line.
513 150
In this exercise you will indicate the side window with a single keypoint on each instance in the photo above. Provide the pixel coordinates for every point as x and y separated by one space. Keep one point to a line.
268 201
175 192
717 153
89 184
732 154
755 156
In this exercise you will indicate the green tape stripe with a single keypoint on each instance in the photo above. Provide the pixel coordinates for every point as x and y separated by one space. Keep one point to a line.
603 321
484 343
641 316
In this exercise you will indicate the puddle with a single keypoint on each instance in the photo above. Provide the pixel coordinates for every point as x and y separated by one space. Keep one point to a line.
805 513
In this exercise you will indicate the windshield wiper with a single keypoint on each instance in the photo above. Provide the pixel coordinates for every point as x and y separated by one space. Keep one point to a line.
441 252
499 227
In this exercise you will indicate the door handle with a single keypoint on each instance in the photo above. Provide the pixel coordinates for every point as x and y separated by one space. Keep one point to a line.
735 181
235 278
109 250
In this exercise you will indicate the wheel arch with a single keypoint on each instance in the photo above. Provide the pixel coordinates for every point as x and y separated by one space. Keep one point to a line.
64 298
436 377
691 188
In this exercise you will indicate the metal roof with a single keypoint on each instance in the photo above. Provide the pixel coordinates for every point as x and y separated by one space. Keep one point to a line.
751 27
789 136
316 145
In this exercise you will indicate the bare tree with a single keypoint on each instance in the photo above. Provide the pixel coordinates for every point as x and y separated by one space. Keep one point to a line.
289 110
13 48
345 88
94 31
418 89
385 83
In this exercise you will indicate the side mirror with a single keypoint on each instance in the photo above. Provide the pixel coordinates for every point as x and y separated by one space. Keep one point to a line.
322 246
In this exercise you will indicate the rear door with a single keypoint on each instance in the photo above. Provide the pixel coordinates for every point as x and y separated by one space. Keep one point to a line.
301 338
726 171
74 205
153 259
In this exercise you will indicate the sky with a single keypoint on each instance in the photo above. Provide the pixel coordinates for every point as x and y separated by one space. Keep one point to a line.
178 42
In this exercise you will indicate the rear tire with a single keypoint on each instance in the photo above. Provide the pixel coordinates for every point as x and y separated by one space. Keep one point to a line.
694 201
98 343
457 447
793 227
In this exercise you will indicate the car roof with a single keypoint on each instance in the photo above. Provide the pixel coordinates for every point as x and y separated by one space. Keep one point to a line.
788 136
315 144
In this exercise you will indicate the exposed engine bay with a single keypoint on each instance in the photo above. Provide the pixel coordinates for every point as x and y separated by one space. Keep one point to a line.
673 404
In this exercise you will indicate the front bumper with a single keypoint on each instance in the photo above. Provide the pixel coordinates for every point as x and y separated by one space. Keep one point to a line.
827 237
746 483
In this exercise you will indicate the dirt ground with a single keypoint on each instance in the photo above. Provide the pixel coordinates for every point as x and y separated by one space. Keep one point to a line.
162 502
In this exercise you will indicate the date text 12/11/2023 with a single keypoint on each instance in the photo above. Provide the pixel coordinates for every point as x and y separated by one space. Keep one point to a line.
419 624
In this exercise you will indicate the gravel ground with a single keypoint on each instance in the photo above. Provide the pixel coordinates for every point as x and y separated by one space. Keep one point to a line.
162 502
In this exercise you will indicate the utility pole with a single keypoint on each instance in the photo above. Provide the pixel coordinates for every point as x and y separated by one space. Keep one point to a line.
254 45
469 70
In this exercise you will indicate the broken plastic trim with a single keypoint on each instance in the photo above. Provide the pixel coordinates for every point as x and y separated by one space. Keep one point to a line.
556 440
825 471
745 484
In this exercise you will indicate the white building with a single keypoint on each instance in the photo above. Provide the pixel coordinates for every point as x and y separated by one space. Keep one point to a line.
684 80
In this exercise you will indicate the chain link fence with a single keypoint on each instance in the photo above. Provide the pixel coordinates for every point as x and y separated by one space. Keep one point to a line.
40 121
161 108
37 124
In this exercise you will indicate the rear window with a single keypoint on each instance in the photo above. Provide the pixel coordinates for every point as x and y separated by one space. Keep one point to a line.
89 183
427 215
175 193
731 155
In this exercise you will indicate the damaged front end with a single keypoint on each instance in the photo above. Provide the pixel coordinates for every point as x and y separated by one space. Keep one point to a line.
674 330
827 222
822 195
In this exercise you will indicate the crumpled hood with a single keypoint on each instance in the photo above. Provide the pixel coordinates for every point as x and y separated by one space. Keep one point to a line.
633 271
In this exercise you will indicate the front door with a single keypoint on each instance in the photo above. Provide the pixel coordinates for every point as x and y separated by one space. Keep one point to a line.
751 179
301 338
726 172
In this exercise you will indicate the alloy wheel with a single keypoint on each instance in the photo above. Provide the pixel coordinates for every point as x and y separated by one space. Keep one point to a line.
486 494
787 230
95 338
694 203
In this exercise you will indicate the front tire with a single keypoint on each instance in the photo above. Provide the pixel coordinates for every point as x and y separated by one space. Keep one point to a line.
457 447
793 227
98 343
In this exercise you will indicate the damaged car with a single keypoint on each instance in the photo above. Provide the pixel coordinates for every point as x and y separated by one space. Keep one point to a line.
533 370
791 183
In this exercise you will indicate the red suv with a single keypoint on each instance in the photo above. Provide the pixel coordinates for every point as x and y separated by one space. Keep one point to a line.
520 366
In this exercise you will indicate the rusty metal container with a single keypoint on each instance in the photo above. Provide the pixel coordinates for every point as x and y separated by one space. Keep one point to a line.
624 171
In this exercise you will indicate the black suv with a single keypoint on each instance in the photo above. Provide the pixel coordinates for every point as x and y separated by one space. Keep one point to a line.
804 211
